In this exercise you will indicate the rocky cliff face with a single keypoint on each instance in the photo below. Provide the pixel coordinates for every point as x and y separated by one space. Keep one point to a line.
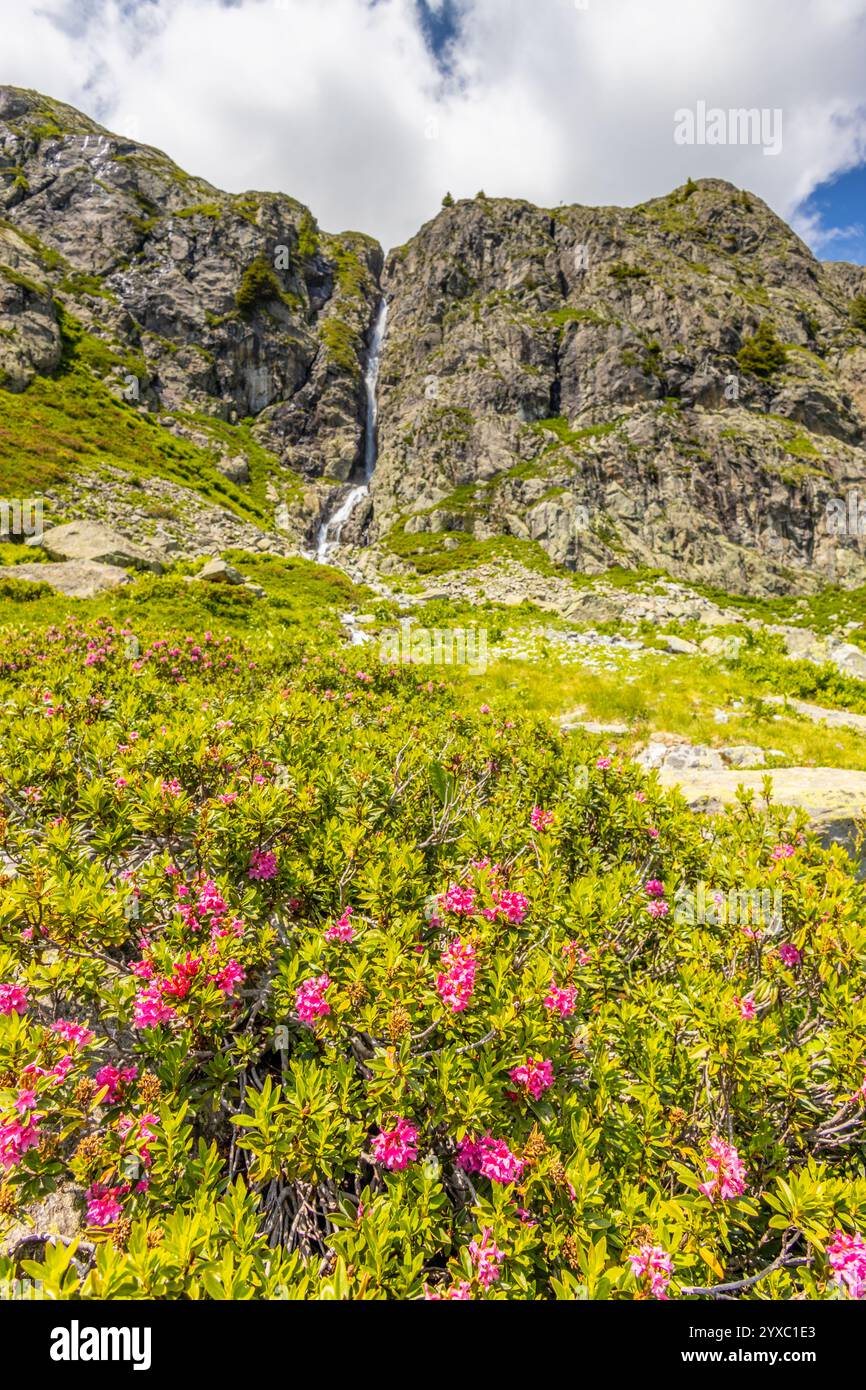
679 385
196 308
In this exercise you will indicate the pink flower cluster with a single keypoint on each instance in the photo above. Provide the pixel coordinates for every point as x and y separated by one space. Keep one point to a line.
13 1000
490 1157
150 1010
461 1292
560 999
456 982
263 865
341 930
653 1263
487 1257
541 820
103 1207
534 1075
74 1033
727 1173
847 1256
114 1079
16 1137
745 1007
396 1148
507 907
458 900
655 891
310 1001
789 955
782 852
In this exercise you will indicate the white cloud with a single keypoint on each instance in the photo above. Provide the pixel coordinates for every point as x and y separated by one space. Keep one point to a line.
336 101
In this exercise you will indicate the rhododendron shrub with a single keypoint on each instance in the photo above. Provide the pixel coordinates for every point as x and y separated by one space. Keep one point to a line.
322 982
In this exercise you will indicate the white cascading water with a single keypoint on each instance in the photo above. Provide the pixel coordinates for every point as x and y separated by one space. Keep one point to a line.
331 530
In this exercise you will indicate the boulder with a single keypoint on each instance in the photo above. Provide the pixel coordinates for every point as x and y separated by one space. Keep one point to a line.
75 578
236 469
90 540
216 571
834 798
743 755
679 645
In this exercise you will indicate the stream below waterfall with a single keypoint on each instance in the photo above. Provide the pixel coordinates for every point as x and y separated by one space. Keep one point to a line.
332 528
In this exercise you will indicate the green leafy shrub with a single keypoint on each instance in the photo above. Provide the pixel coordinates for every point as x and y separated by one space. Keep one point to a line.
317 983
762 354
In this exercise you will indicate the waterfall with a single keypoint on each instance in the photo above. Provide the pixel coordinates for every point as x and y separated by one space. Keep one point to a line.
331 530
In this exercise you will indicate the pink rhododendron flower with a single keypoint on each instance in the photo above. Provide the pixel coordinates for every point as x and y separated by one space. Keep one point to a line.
653 1263
604 763
658 908
534 1075
16 1137
745 1007
560 999
727 1173
342 930
263 865
789 955
150 1009
654 888
513 907
460 1292
490 1157
231 974
498 1162
847 1257
75 1033
396 1148
469 1155
182 975
13 999
458 900
782 852
487 1258
103 1208
114 1079
541 820
310 1001
456 983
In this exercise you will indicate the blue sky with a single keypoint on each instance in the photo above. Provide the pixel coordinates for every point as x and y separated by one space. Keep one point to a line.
841 204
369 111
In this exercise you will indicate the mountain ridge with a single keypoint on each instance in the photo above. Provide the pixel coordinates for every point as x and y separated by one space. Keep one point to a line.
679 384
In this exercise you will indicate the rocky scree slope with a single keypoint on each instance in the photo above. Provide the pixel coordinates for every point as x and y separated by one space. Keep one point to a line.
678 384
151 325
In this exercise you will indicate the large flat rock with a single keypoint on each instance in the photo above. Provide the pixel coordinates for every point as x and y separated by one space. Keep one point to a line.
90 540
834 798
74 578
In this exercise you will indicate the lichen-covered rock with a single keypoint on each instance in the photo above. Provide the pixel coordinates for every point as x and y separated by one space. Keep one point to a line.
88 540
75 578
